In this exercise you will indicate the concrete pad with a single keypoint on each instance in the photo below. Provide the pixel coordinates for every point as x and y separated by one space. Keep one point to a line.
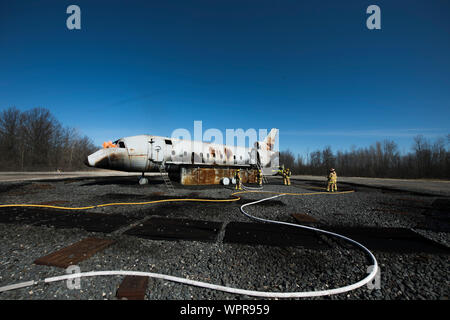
425 186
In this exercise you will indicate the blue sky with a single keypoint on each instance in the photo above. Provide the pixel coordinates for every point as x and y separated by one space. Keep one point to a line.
310 68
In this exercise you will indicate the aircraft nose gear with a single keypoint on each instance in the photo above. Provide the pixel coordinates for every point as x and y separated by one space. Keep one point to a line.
143 180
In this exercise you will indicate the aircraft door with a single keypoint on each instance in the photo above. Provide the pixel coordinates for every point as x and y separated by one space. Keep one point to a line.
137 153
157 149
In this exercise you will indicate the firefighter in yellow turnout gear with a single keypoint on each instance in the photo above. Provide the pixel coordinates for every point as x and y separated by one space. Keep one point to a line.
332 181
237 176
259 177
286 177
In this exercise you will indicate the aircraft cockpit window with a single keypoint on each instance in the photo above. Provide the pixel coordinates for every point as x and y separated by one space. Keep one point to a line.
121 144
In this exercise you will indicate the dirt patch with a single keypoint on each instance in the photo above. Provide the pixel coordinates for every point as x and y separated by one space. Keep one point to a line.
89 221
398 240
272 235
177 229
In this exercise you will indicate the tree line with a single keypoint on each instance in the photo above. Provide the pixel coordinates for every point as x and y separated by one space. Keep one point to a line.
426 159
35 140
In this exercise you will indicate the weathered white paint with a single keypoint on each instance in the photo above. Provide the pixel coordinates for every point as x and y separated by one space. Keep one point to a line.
144 153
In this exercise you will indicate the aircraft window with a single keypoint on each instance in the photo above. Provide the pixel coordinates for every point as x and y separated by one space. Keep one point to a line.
168 141
121 144
173 152
241 157
185 153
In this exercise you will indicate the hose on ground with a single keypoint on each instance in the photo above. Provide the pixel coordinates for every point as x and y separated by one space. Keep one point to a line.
263 294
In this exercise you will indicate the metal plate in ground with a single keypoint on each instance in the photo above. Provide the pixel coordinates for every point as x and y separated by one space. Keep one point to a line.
399 240
177 229
132 288
89 221
272 235
74 253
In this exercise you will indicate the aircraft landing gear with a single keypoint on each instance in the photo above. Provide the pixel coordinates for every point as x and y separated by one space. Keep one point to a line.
143 179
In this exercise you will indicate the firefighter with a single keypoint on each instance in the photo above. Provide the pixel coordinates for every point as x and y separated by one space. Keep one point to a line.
332 180
284 173
288 176
259 177
237 176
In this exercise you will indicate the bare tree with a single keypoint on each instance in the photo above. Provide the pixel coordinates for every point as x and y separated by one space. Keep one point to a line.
10 127
382 159
287 159
35 140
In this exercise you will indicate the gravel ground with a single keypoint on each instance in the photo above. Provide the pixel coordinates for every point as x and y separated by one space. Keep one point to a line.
254 267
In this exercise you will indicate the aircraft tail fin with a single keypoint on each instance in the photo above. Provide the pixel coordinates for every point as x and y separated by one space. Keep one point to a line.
270 140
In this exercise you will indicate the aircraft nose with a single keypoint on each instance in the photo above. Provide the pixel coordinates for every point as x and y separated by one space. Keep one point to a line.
98 159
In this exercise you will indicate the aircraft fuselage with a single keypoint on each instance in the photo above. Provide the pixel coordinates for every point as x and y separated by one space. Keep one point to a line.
145 153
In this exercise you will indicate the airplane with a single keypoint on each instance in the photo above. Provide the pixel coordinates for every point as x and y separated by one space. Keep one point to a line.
190 162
